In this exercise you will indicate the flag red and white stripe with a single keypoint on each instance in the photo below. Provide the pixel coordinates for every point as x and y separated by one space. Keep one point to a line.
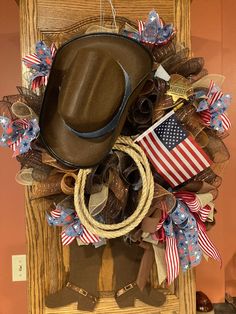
178 164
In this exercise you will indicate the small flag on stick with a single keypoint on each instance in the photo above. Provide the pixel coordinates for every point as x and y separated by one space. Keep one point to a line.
176 156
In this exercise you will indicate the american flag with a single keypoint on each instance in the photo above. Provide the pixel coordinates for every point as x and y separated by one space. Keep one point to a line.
173 153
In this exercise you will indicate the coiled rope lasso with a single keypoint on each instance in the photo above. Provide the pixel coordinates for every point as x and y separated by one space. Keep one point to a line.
109 231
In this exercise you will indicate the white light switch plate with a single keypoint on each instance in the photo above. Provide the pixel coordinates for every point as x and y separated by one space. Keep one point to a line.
18 267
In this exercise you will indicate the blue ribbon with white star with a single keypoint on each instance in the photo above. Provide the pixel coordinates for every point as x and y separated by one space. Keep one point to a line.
212 108
18 134
182 246
66 217
40 63
154 31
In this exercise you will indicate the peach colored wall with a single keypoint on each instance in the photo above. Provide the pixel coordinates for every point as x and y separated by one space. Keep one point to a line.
213 37
12 219
213 29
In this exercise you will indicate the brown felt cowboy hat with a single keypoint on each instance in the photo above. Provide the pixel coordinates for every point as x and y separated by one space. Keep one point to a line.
94 79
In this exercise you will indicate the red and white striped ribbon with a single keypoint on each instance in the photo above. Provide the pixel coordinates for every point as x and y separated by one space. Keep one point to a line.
172 259
191 200
53 50
206 244
56 213
88 237
211 85
22 123
14 146
215 97
140 26
206 114
66 240
206 118
225 121
171 253
204 212
39 81
31 59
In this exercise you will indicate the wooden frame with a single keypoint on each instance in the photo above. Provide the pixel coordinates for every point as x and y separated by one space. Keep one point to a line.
47 262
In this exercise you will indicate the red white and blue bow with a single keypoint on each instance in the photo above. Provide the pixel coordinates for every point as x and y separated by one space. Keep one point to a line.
153 31
185 235
18 134
212 108
40 64
201 214
72 227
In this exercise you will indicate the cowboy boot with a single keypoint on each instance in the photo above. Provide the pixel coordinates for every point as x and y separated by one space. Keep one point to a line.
127 260
85 262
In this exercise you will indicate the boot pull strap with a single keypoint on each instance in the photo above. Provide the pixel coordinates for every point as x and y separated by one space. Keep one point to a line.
82 292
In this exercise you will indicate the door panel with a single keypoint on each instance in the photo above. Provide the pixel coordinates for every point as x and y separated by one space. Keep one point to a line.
57 21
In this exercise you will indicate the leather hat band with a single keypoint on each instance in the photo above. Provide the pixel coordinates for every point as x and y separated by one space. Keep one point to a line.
115 120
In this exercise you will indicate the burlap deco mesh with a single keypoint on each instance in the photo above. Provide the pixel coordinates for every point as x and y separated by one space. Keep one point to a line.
216 148
33 159
171 63
195 77
209 176
161 195
164 52
193 124
31 99
5 106
140 115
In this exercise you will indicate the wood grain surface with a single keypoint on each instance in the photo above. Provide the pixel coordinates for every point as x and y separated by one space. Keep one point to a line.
58 20
107 305
51 13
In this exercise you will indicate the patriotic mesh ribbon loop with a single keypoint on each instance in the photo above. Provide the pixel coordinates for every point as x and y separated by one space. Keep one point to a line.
212 108
182 247
40 64
201 214
191 200
18 134
185 234
153 31
72 228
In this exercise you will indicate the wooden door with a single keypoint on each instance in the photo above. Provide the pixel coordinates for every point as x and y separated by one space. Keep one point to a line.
57 21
